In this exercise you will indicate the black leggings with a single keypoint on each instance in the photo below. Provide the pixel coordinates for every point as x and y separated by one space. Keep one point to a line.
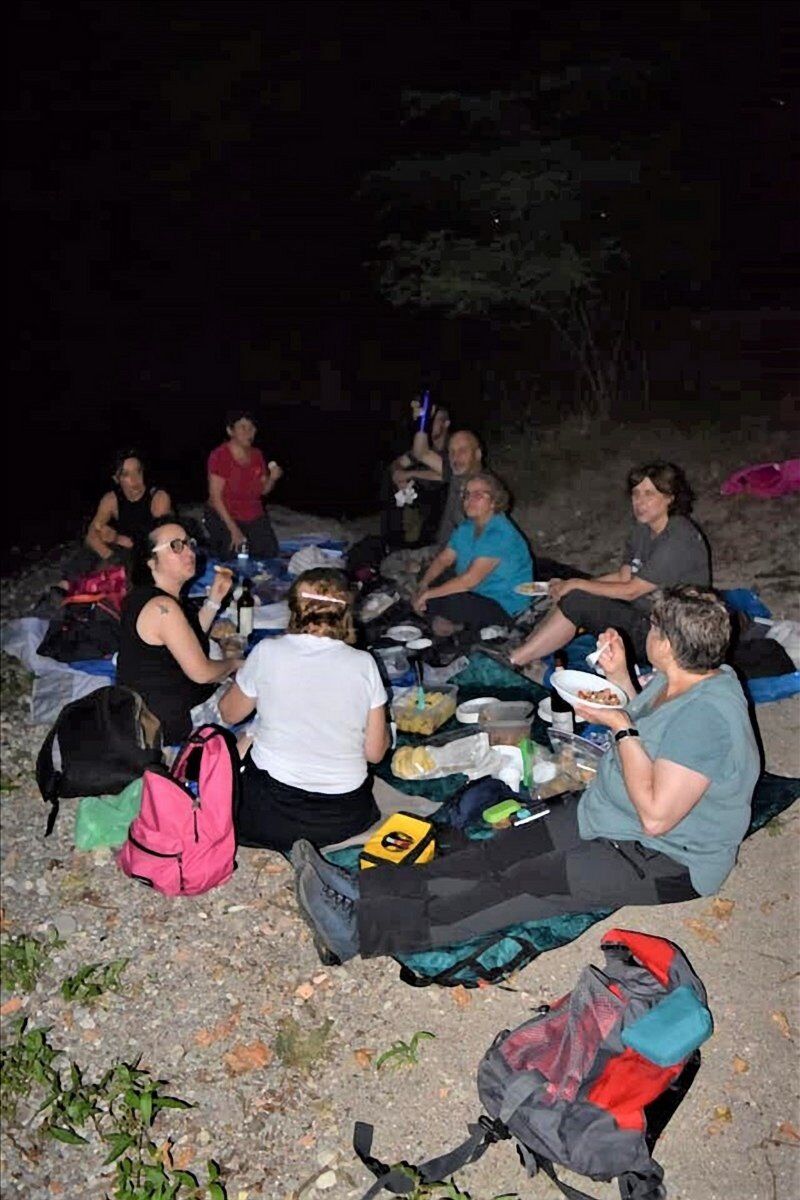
530 873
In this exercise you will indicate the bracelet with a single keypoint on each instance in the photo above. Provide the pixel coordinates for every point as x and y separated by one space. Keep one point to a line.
631 731
212 604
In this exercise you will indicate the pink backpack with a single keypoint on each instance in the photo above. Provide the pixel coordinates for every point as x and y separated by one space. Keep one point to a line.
183 842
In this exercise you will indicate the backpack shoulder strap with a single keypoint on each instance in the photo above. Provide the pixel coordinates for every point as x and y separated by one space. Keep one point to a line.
48 778
400 1179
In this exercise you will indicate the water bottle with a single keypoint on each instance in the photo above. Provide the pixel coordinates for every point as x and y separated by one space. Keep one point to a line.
243 553
246 609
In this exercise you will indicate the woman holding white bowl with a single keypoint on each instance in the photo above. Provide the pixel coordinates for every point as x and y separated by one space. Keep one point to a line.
660 823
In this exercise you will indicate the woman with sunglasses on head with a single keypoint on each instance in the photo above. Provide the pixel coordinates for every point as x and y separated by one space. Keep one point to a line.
321 720
163 653
489 556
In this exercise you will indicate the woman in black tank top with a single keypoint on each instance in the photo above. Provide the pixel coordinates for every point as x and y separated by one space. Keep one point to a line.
163 652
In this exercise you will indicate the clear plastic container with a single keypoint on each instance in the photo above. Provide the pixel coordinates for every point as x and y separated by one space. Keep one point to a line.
440 704
507 722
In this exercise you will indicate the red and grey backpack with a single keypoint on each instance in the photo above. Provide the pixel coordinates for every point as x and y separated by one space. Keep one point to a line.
184 842
591 1081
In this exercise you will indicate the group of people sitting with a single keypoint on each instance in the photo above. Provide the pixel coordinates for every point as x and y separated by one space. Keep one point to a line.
661 822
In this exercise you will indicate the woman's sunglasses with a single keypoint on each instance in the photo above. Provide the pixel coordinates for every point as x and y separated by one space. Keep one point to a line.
177 545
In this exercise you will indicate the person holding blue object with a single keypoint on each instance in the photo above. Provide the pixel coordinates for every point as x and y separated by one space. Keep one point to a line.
490 558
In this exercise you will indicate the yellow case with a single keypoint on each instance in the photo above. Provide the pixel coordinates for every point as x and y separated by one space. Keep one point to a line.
402 838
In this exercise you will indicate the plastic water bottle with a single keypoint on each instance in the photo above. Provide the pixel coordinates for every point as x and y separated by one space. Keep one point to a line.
243 553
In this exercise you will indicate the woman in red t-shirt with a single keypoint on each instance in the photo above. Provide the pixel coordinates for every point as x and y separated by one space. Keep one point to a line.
238 480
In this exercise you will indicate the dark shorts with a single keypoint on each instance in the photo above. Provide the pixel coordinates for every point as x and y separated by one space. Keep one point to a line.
261 539
470 609
597 613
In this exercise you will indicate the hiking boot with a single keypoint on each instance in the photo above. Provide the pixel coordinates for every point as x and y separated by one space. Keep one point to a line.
303 854
331 916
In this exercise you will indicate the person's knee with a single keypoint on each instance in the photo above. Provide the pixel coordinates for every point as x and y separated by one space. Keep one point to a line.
578 607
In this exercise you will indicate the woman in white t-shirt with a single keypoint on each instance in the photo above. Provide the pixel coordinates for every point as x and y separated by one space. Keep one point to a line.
321 720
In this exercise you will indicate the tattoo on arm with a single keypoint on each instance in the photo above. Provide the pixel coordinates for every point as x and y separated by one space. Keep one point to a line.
163 609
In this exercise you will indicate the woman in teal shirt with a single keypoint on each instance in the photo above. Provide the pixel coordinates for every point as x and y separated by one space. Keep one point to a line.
660 823
489 558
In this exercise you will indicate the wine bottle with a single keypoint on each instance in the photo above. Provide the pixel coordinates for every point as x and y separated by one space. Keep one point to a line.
246 608
563 716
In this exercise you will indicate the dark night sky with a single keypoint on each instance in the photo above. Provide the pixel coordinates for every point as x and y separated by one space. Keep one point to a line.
181 176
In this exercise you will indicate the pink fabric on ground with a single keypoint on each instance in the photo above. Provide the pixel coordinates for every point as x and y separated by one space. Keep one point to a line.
766 479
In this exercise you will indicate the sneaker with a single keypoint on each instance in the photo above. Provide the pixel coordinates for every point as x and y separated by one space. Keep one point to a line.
303 854
331 916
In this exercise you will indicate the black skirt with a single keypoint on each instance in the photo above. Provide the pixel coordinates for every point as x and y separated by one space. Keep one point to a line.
274 815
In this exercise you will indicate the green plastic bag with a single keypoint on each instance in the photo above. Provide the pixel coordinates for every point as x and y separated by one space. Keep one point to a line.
104 820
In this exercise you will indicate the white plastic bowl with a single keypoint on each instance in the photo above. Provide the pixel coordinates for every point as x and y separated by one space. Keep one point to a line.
469 712
569 683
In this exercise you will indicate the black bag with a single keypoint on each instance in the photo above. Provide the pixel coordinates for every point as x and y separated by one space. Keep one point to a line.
81 632
105 741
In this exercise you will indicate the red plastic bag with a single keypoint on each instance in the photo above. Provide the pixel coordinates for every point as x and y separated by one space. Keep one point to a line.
766 479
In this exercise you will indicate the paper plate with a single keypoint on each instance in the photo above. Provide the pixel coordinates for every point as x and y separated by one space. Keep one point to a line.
569 683
469 712
403 633
537 587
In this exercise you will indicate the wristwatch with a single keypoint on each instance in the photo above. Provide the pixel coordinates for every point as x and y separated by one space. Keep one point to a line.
631 731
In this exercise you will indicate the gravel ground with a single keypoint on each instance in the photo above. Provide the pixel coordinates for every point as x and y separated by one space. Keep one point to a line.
224 996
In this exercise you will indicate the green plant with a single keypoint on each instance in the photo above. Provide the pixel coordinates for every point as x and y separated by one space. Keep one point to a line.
90 981
403 1054
22 959
298 1047
26 1059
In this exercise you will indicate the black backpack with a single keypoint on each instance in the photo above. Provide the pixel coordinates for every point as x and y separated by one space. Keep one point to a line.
105 741
81 632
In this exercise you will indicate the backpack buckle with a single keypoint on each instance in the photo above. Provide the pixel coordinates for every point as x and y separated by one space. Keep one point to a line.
494 1128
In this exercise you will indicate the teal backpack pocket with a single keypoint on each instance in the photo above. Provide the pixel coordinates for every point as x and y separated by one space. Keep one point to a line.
668 1033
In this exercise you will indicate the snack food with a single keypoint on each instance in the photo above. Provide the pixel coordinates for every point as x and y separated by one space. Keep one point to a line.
439 707
603 696
411 762
220 570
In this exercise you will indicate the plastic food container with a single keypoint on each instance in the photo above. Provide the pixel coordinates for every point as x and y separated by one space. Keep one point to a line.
394 658
440 704
507 722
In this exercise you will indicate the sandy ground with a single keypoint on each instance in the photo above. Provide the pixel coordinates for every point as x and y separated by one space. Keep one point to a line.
223 991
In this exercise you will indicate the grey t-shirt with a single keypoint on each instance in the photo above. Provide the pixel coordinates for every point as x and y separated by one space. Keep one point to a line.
708 730
678 554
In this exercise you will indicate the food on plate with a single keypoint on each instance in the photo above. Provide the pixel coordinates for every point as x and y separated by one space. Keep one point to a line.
603 696
223 628
412 762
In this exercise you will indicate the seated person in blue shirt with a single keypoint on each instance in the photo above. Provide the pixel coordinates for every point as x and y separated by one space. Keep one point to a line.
660 823
490 558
